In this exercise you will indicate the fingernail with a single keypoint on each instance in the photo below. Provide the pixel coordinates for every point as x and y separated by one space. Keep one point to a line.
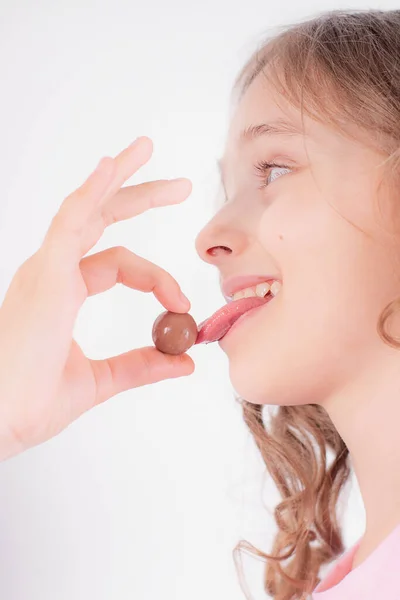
184 298
179 179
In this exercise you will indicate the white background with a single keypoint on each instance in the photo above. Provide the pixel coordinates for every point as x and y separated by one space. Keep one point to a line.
146 496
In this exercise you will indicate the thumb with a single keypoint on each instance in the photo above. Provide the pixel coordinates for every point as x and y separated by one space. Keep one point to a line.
137 368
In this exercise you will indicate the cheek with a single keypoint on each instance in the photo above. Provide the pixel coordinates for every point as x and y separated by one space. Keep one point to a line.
293 230
328 265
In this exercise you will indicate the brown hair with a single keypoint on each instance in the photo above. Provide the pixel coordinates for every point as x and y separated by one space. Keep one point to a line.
342 68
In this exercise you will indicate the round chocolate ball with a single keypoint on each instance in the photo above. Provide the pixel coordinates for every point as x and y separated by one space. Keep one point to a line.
174 333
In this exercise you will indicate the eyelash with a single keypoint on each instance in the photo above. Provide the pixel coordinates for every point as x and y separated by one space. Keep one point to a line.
263 166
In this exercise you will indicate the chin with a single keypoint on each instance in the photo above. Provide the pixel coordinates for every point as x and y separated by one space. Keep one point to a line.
250 383
268 365
261 380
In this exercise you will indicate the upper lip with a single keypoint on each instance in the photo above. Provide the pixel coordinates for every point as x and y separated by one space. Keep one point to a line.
231 285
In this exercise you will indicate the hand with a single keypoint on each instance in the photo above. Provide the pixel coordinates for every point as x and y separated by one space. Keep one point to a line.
46 381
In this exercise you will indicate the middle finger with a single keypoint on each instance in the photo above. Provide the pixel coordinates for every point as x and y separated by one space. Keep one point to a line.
133 200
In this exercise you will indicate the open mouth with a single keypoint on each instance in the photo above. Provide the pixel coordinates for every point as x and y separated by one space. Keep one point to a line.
217 326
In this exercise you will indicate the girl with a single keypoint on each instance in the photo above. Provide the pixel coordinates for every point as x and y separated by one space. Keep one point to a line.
310 174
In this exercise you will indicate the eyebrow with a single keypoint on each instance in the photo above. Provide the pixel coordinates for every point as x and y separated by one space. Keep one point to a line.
279 128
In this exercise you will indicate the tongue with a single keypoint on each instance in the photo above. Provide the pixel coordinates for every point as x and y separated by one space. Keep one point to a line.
220 322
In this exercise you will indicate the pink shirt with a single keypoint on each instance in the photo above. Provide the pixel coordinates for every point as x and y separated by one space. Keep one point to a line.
376 578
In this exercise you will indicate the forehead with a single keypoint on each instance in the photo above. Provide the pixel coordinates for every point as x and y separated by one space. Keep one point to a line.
265 117
262 116
263 103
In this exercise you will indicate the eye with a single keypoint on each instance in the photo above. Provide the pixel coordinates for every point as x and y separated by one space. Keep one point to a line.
262 169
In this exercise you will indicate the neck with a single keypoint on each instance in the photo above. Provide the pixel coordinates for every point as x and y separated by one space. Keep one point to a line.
367 416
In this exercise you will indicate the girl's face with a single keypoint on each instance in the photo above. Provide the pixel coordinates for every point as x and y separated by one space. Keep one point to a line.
319 333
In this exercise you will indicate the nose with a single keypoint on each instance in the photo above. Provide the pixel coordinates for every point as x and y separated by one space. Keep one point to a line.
218 242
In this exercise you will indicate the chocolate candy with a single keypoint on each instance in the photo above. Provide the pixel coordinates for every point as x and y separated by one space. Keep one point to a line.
174 333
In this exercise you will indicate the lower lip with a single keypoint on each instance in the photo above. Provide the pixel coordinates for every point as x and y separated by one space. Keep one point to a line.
242 318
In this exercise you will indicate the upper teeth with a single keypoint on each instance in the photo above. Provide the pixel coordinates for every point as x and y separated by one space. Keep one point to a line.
260 290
